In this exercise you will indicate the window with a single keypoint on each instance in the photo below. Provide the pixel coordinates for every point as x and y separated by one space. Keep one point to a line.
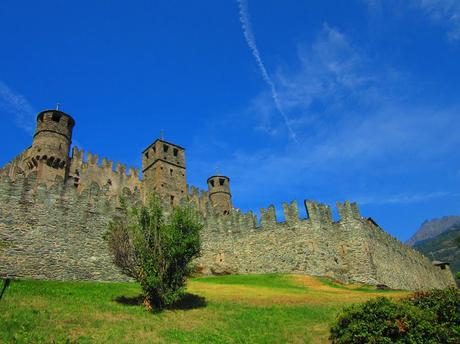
171 172
55 117
212 182
165 148
221 181
175 152
147 155
172 200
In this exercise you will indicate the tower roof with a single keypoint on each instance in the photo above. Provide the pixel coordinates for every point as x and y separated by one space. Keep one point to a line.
218 176
59 112
160 140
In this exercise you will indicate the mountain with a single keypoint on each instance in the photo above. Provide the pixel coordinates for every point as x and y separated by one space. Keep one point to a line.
432 228
443 247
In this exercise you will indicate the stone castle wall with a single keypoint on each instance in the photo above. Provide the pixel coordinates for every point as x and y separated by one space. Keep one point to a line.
15 167
86 171
352 249
56 232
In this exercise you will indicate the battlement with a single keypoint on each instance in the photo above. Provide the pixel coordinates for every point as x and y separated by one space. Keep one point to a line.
87 168
318 215
198 198
15 167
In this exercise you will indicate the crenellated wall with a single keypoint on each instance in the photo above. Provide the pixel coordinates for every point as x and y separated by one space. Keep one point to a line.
86 171
198 198
15 167
56 232
352 249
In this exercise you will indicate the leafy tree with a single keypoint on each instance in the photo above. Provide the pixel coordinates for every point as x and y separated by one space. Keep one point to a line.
155 249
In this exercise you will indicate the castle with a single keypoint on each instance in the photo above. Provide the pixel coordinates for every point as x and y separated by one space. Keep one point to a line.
54 210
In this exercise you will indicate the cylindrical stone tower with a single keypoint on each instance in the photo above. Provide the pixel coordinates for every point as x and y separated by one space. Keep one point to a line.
219 194
49 154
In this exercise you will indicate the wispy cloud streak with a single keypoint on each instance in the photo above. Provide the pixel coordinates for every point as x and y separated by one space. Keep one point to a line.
250 40
447 11
17 105
404 198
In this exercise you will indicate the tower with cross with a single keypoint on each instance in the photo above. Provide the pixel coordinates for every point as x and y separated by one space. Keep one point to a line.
163 170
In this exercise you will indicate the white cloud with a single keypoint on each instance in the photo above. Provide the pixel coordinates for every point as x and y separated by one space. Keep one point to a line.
18 106
349 114
447 11
251 42
444 12
404 198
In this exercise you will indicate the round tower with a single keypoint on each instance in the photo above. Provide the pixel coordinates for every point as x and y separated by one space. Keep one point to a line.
49 154
219 194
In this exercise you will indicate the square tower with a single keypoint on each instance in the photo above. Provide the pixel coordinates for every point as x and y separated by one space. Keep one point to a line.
163 170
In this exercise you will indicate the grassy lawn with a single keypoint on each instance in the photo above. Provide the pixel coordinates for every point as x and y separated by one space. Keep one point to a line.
227 309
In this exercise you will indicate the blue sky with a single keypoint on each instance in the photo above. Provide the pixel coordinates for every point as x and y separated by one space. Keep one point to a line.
326 100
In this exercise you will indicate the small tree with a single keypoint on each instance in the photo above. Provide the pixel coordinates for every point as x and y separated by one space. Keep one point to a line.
156 250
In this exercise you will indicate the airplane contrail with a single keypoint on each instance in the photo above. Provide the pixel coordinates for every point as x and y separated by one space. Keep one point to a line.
251 41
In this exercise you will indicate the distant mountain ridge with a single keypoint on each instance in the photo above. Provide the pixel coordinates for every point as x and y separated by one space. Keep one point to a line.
443 247
432 228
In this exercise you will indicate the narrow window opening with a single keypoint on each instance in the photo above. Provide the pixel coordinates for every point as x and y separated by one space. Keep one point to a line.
147 155
171 172
175 152
212 182
56 117
165 148
172 200
221 181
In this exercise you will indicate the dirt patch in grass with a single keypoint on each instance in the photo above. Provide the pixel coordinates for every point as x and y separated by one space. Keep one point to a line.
314 292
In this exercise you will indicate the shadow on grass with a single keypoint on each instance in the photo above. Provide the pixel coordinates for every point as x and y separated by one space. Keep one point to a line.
187 302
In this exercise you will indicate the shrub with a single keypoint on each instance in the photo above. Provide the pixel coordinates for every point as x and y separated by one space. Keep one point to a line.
445 306
383 321
156 250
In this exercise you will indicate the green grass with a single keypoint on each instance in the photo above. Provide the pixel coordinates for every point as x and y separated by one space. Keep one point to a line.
365 289
227 309
276 281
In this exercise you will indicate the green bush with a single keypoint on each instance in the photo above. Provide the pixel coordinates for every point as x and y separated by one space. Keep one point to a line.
445 306
425 317
156 250
383 321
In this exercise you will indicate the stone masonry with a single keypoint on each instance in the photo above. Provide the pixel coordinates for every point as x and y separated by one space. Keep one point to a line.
54 211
